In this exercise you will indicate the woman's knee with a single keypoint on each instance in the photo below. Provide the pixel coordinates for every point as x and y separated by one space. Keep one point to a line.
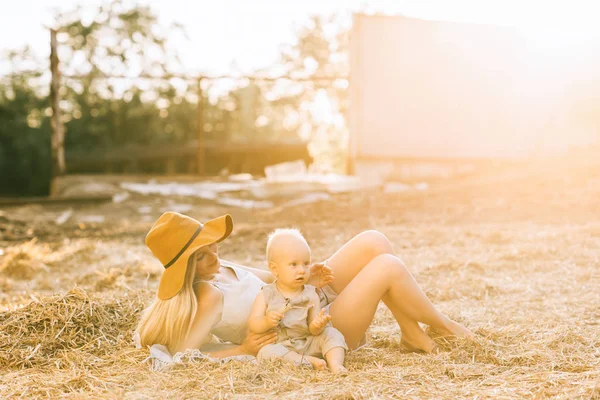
376 242
390 266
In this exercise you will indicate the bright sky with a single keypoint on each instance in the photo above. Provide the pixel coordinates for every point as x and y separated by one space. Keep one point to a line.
249 32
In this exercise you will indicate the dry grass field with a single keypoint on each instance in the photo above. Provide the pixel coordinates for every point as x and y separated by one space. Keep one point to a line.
513 254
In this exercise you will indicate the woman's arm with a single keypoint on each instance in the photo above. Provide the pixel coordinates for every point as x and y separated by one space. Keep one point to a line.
238 350
210 305
251 345
262 274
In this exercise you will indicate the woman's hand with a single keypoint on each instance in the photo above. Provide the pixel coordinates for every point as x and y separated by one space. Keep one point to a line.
320 275
256 341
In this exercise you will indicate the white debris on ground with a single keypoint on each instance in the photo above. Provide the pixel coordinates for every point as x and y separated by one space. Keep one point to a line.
171 189
398 187
244 203
90 188
286 184
145 209
308 198
120 197
291 178
240 177
92 219
180 208
64 217
286 170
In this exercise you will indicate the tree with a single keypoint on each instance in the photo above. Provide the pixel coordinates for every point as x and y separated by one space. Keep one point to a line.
317 110
119 39
102 114
24 130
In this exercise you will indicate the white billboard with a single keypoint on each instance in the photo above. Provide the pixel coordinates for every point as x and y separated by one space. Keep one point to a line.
446 90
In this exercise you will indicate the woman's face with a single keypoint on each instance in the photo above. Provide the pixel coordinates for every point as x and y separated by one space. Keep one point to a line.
207 261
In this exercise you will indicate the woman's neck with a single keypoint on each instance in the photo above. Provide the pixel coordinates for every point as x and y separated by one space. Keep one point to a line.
220 276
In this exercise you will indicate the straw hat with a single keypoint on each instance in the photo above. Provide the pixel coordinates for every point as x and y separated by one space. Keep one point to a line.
174 238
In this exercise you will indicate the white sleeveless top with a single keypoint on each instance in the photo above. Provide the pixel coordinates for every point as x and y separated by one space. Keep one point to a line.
238 298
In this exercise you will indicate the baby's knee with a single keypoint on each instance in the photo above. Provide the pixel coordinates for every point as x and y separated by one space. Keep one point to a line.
272 351
331 332
332 338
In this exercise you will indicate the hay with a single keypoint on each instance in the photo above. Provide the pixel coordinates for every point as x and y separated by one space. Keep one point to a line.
514 259
45 332
22 262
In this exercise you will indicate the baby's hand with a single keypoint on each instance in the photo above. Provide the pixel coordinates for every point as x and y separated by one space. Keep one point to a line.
321 320
273 318
320 275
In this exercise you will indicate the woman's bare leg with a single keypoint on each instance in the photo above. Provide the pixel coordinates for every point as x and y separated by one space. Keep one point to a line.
381 276
355 255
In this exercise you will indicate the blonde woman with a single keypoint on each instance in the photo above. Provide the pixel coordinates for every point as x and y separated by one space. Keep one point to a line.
200 295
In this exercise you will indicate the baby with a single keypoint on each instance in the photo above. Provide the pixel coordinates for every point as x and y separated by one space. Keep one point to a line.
292 308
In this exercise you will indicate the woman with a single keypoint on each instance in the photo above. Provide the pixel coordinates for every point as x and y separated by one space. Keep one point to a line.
200 295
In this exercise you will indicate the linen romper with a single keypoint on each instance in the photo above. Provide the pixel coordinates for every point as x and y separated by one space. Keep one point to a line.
292 331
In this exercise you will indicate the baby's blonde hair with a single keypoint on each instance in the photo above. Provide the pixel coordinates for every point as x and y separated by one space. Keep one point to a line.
280 232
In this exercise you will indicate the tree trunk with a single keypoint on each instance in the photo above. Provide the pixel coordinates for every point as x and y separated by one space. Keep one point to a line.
58 129
200 156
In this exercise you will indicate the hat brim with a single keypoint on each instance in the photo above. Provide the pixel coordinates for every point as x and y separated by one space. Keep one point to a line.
172 278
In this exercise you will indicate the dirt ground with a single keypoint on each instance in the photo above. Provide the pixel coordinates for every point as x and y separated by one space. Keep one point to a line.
514 254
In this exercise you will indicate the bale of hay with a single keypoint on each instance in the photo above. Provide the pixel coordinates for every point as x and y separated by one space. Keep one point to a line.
43 332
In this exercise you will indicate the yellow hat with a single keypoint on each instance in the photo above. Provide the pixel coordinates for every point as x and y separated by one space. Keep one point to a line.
174 238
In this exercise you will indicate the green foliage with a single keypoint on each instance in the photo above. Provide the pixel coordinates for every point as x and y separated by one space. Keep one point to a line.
102 114
107 113
321 106
24 139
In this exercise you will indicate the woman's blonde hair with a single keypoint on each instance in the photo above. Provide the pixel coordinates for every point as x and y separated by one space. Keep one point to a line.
168 322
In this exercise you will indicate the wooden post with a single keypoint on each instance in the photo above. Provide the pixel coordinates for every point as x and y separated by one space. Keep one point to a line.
58 129
171 166
200 156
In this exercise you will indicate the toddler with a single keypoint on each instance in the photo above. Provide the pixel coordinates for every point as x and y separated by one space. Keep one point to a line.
291 307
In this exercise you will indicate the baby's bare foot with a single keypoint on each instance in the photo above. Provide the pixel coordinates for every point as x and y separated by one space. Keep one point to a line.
339 369
316 363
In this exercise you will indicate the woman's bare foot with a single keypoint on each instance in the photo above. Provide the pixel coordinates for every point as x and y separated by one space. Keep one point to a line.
455 329
338 369
429 347
416 340
317 363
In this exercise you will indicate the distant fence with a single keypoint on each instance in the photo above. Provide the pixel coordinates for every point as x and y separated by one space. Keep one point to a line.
240 156
234 157
195 156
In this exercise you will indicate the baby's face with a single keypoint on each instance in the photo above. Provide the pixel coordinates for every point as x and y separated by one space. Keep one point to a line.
292 261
